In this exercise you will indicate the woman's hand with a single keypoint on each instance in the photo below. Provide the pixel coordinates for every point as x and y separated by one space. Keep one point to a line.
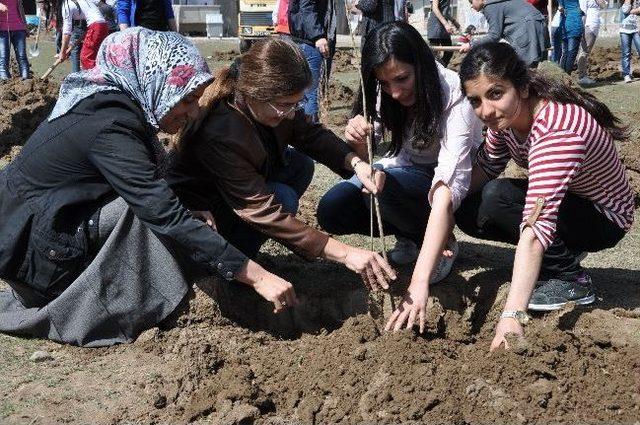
465 47
374 270
413 305
3 8
370 185
505 326
356 132
271 287
450 28
278 291
207 217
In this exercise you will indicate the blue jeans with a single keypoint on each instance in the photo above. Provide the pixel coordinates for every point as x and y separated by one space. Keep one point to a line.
626 41
570 48
404 204
288 185
18 40
77 36
314 58
556 40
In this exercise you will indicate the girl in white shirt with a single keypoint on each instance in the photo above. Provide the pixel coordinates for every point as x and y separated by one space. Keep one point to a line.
434 133
97 30
591 8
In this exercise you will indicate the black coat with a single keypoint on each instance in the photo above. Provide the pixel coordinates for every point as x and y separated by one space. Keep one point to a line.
310 20
374 13
50 196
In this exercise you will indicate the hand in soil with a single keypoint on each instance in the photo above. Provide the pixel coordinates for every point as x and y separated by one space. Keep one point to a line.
412 307
270 287
374 270
278 291
505 326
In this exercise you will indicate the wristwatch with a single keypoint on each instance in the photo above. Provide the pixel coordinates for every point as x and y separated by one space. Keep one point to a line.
521 316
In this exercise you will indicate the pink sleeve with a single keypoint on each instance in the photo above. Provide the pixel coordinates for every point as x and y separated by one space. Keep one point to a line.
554 160
494 154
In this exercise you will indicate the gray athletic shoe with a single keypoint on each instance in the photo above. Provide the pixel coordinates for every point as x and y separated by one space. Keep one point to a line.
552 294
404 252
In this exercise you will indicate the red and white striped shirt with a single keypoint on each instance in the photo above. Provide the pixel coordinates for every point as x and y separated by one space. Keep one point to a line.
567 150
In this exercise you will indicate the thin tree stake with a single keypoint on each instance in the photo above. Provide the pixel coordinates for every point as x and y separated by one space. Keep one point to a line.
374 203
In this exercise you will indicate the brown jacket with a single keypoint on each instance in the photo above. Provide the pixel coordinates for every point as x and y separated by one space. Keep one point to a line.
228 152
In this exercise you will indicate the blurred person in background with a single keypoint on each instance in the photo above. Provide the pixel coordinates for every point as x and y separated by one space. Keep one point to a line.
13 32
155 15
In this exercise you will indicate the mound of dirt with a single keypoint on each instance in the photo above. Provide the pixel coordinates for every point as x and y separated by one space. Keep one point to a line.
604 64
356 374
344 60
23 106
335 105
224 56
630 155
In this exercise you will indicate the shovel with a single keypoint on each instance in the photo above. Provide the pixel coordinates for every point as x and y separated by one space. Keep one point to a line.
51 68
34 50
56 63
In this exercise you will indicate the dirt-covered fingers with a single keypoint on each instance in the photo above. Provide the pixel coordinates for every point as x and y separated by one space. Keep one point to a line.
374 271
394 317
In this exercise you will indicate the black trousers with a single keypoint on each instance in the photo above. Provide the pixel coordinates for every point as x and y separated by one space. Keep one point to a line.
495 214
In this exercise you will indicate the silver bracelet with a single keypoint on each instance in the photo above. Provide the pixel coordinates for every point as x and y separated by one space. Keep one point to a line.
356 163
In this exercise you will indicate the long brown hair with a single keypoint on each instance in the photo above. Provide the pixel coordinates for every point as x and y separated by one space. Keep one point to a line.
499 60
270 69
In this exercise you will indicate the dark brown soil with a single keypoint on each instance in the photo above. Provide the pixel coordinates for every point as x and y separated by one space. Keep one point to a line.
23 106
604 64
345 60
224 56
584 372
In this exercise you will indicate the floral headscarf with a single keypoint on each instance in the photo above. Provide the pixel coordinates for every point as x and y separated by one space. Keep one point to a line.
156 69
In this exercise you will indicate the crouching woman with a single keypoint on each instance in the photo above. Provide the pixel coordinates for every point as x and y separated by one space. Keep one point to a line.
577 197
93 243
246 159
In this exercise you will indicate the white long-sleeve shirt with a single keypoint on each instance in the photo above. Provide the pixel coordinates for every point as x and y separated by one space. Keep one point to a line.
87 10
461 134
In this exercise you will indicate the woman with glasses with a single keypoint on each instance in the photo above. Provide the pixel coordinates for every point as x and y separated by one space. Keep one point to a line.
246 160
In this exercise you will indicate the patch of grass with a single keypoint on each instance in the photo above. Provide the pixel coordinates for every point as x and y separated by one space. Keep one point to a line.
6 409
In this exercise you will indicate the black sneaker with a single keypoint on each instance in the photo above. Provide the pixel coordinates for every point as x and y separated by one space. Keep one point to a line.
555 293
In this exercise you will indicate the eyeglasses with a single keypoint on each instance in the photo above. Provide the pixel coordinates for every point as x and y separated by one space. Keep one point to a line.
280 113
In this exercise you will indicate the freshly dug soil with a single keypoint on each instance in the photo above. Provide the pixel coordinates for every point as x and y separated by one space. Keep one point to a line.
355 374
224 56
604 64
336 104
344 60
23 106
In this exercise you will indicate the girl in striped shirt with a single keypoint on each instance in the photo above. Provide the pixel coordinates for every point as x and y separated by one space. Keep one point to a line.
577 197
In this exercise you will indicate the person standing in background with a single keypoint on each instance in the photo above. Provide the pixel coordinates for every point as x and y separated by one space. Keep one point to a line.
591 28
374 13
97 29
108 10
572 28
629 36
312 26
155 15
516 21
13 31
440 26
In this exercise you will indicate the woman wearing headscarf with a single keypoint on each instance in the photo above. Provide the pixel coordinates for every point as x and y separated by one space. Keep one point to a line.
93 243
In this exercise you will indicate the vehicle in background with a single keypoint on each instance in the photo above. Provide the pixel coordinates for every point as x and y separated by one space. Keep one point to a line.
254 21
